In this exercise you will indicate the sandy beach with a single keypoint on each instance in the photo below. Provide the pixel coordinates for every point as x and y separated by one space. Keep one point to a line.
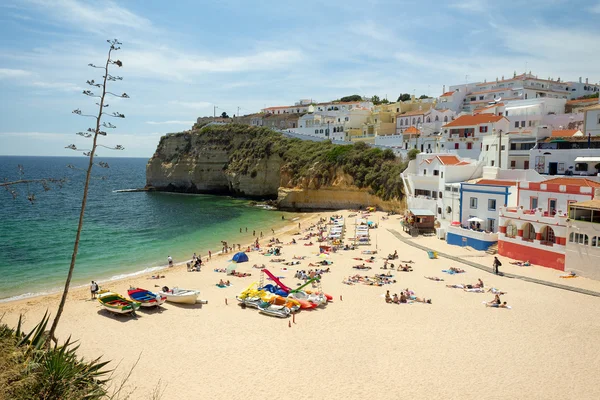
357 347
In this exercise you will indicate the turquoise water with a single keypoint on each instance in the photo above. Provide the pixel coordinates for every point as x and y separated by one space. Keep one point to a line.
123 233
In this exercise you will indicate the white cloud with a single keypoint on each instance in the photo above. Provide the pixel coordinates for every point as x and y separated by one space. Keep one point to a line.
172 122
88 16
471 5
13 73
170 64
62 86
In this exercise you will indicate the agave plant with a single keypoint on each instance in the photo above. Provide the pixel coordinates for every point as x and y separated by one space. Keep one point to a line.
50 372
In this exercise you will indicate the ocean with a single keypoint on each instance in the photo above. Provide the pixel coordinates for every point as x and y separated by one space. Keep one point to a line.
123 233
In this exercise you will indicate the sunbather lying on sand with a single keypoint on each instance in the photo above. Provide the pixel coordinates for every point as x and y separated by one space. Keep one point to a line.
405 268
420 299
308 244
277 260
407 262
457 270
433 278
292 262
157 276
474 290
240 274
503 305
572 274
521 264
298 257
220 270
456 286
262 266
223 283
363 266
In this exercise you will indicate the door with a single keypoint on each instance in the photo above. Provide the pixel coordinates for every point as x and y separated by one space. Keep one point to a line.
526 164
551 206
491 225
552 168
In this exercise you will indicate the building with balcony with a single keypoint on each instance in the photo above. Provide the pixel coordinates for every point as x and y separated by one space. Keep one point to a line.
574 155
583 244
432 182
464 134
536 229
592 120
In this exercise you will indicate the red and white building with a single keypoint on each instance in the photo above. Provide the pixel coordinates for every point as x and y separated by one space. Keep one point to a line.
464 135
536 230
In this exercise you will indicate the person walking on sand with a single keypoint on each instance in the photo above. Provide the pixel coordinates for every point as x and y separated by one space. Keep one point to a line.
94 289
170 260
210 253
497 264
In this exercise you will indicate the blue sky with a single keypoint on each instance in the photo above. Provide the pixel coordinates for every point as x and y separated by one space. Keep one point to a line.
183 57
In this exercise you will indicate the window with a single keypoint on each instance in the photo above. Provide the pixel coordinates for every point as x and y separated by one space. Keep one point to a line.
448 188
528 232
437 118
473 202
440 195
526 164
596 241
480 97
491 204
516 124
513 164
522 124
473 98
446 119
579 238
346 119
436 172
469 146
492 163
414 120
455 146
533 203
401 122
424 172
598 119
530 123
503 147
483 129
487 147
441 175
491 224
316 131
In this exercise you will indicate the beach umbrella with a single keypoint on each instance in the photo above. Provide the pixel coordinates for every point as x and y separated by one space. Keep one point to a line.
240 257
323 255
475 219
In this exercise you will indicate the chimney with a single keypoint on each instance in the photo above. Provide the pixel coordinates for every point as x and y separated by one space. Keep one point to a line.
586 81
496 79
444 89
502 77
579 79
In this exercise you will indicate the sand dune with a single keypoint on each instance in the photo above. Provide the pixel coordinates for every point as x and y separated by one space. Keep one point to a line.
546 347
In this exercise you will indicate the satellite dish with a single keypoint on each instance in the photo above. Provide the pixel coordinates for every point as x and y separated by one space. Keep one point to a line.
499 99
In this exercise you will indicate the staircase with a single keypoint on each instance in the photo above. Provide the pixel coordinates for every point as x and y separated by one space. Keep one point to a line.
493 249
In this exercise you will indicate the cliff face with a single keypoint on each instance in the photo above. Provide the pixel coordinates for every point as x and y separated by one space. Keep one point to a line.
187 163
232 161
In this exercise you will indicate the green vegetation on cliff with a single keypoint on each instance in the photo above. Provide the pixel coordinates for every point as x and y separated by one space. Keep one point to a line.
303 161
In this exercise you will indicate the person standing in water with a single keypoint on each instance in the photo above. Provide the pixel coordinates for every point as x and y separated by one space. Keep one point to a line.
170 260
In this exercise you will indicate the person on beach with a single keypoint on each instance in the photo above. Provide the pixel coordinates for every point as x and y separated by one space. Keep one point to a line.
388 298
170 260
240 230
209 255
253 233
94 289
502 305
497 264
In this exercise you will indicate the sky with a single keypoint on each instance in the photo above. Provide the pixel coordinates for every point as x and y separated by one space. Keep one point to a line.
183 57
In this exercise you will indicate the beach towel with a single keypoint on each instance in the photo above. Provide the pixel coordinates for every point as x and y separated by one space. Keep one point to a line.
449 271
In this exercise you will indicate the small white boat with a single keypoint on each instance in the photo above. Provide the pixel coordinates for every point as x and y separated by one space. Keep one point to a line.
182 296
271 309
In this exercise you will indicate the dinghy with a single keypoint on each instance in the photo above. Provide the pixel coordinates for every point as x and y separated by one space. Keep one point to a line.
116 303
182 296
146 297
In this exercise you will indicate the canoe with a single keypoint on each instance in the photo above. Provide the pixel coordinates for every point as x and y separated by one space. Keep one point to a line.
116 303
182 296
315 299
146 297
253 302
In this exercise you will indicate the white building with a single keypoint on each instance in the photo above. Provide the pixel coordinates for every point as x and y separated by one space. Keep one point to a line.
333 124
582 252
464 135
428 183
536 230
592 120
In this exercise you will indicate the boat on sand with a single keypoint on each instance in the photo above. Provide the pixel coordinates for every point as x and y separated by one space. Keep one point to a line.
181 296
116 303
146 297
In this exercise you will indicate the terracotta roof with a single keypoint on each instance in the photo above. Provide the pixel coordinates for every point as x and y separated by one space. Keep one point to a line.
449 160
412 129
573 181
565 133
496 182
469 120
409 113
447 94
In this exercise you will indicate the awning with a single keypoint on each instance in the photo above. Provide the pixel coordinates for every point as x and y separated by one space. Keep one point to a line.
520 107
421 212
587 159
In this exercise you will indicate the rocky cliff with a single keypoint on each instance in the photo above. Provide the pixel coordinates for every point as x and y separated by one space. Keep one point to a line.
259 163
